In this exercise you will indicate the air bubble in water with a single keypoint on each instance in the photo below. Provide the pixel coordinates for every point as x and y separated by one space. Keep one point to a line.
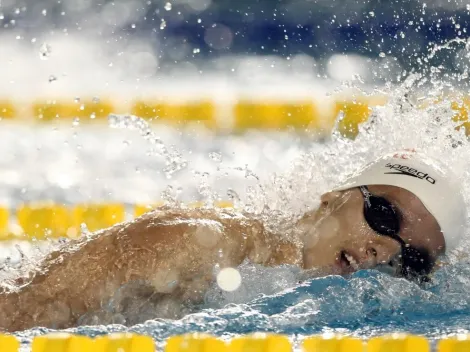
168 6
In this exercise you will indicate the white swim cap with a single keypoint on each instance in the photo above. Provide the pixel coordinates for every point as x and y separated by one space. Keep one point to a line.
438 190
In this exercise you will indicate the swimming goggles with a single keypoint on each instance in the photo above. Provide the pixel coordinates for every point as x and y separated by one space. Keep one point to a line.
384 219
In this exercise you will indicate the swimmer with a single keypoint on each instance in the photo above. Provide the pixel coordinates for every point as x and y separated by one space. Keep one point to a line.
400 212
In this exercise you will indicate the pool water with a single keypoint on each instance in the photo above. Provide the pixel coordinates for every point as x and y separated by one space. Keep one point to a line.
282 170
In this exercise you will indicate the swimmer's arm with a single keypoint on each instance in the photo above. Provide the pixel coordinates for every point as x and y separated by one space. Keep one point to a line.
176 252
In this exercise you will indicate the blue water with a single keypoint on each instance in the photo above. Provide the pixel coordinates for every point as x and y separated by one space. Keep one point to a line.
369 303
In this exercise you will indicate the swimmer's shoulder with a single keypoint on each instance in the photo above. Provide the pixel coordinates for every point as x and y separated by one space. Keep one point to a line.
168 213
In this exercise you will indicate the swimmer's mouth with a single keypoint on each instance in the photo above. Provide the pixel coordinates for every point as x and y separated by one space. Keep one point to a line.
347 262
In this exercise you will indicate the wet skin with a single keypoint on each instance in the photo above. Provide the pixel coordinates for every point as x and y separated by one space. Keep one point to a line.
172 254
338 227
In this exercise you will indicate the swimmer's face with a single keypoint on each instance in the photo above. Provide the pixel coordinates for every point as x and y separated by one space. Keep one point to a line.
338 240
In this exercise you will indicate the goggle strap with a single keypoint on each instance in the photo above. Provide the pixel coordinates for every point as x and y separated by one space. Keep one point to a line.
365 192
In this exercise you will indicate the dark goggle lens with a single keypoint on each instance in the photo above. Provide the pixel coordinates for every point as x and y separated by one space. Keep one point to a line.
381 216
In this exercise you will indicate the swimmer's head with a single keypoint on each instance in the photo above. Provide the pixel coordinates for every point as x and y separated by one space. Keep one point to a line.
410 212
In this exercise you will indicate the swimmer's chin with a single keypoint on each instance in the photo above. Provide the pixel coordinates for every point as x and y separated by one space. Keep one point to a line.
315 273
338 267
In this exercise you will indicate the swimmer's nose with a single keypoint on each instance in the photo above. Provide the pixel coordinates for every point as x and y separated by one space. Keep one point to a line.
371 258
371 253
376 256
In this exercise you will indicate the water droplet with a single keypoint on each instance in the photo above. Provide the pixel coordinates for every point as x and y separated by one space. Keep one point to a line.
233 195
76 121
358 77
216 156
33 40
96 100
168 6
196 51
163 24
372 14
44 12
44 51
199 20
52 78
133 25
173 159
76 100
92 115
82 107
84 229
382 54
110 64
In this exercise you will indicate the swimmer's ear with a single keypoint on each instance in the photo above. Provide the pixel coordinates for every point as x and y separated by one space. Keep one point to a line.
330 197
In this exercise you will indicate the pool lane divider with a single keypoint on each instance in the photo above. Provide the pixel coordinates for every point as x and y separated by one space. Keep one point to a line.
299 114
316 114
47 220
255 342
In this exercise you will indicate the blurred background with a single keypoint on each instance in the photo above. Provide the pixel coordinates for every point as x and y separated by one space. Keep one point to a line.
119 45
278 67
